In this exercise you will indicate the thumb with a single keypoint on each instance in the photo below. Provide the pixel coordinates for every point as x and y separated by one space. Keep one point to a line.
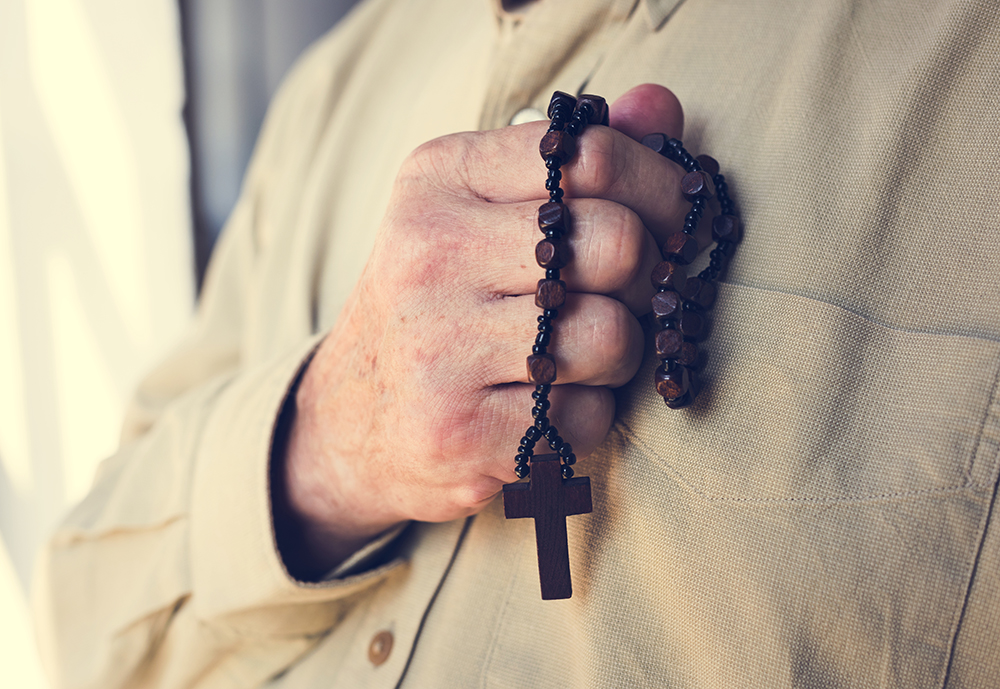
648 109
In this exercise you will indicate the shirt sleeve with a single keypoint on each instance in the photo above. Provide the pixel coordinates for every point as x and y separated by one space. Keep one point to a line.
167 574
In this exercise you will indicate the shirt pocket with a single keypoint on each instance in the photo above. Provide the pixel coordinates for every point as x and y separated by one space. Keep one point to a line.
806 401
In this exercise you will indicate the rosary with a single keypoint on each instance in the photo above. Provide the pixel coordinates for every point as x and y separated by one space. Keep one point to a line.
679 306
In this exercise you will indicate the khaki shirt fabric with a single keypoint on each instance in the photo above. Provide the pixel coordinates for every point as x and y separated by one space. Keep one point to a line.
824 516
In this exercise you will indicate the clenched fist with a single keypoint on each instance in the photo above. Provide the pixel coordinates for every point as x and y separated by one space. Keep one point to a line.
413 405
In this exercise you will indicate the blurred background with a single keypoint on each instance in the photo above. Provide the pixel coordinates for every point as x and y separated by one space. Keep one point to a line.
125 128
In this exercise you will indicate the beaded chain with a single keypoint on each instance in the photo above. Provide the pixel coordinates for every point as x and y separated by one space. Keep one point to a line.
680 303
569 116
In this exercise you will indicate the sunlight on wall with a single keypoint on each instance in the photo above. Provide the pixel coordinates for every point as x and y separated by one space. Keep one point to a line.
89 131
96 278
83 382
14 458
18 660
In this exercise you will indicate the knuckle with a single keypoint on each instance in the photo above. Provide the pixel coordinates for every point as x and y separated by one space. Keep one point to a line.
600 166
427 159
442 163
613 333
622 255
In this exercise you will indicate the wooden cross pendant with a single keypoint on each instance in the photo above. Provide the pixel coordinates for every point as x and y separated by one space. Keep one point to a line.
549 499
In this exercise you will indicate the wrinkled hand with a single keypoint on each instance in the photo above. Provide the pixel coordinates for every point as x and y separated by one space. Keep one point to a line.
414 403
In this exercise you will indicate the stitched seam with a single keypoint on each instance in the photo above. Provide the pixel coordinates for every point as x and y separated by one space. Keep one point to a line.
867 318
430 603
508 596
631 437
956 625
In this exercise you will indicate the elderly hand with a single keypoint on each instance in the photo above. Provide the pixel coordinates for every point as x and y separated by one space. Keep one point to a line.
414 403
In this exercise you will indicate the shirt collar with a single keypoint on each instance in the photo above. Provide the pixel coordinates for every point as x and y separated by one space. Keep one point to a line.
657 11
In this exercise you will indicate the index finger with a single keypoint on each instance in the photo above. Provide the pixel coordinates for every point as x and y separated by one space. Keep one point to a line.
504 166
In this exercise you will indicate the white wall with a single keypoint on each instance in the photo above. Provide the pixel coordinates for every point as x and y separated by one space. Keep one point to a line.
95 256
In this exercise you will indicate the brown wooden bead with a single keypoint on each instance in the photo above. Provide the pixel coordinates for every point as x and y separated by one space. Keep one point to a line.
561 97
551 294
673 384
551 253
695 184
553 216
693 388
668 343
691 324
560 145
726 228
666 304
699 292
656 142
708 164
680 248
541 369
668 275
684 400
599 107
688 355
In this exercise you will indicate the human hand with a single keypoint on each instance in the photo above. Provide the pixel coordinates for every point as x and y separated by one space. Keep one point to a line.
413 404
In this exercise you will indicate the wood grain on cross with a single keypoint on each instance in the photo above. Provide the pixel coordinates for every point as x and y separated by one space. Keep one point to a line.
549 499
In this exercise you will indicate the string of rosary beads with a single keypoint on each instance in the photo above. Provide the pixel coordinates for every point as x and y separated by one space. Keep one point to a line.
680 302
569 116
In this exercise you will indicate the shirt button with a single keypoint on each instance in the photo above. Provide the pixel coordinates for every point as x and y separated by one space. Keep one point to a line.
528 115
380 647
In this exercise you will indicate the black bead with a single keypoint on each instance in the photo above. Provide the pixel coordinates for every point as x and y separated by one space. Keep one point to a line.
543 339
569 459
567 471
556 196
555 174
545 326
544 388
538 349
521 471
542 425
551 433
522 458
552 274
543 404
565 450
533 434
552 163
551 184
537 413
538 395
550 313
552 233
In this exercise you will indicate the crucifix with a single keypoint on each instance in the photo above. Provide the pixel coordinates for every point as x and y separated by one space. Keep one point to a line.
549 499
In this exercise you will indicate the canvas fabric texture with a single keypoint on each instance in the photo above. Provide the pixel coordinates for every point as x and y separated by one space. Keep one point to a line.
822 517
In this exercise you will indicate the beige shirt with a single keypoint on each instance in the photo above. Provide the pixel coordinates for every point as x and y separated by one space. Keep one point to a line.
821 517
